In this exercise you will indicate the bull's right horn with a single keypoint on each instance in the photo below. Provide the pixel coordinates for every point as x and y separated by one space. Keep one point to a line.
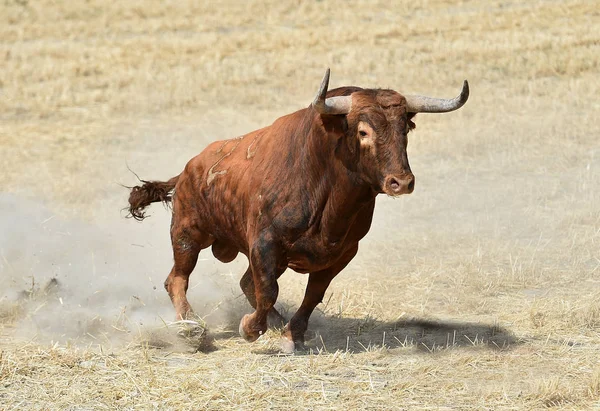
331 105
424 104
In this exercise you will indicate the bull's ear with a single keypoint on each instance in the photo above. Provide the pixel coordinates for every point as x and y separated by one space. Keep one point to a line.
410 122
348 146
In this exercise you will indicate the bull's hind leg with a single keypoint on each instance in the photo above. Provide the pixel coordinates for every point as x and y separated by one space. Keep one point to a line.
274 319
187 242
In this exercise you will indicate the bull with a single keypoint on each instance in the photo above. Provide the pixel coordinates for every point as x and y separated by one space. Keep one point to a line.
297 194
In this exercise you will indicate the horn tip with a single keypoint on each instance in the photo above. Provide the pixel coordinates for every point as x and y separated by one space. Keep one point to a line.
320 97
464 94
326 77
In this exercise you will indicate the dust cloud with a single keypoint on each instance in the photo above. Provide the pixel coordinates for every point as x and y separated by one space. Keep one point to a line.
109 271
72 281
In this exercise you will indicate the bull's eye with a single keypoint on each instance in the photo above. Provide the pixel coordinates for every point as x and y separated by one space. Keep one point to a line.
362 133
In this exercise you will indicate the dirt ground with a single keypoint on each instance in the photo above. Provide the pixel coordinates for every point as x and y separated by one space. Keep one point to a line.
481 290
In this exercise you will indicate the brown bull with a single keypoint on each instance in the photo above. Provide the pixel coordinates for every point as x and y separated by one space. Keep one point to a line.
299 194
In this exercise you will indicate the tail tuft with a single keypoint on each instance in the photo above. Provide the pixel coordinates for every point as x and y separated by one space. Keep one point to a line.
148 193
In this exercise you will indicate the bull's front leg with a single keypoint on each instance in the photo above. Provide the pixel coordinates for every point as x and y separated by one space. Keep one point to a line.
318 281
247 285
267 263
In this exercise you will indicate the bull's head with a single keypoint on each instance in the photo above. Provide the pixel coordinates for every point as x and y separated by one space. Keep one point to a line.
379 121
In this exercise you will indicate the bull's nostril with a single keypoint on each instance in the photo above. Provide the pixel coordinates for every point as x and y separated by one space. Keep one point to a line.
399 185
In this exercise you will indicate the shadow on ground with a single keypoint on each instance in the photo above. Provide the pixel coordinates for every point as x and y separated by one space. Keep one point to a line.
427 335
332 333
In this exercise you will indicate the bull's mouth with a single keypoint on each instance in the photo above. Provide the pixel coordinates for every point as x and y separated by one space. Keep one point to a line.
397 185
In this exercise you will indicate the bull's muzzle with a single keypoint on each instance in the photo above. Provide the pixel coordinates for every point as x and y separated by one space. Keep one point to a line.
397 185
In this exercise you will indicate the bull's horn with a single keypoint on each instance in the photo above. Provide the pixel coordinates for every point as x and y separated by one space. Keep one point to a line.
331 105
423 104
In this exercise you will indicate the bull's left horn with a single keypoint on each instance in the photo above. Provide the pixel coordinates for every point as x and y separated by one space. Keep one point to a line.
424 104
331 105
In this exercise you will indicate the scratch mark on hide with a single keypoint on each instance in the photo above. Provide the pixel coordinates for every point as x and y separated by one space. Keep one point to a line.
213 174
222 146
259 210
183 244
252 153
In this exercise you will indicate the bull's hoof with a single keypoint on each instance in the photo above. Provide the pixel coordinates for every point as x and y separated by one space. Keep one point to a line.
287 346
290 347
191 329
247 331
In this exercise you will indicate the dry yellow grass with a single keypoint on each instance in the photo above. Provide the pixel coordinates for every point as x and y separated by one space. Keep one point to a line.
481 290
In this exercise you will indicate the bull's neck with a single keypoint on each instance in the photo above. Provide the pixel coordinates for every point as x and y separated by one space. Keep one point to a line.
338 192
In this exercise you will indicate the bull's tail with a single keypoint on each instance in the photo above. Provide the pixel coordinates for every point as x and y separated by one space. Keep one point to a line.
148 193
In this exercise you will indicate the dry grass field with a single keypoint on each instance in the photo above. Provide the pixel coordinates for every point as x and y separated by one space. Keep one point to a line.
481 290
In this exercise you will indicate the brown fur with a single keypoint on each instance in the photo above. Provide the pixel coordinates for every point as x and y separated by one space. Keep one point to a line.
299 194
